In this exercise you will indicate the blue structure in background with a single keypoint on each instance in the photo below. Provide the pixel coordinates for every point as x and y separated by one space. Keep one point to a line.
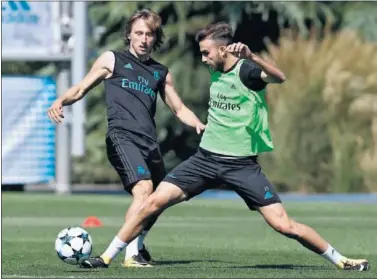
28 136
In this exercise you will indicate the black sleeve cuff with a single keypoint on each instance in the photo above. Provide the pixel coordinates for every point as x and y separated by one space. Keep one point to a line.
250 75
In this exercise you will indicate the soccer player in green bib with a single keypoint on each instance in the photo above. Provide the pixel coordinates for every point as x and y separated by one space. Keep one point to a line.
236 132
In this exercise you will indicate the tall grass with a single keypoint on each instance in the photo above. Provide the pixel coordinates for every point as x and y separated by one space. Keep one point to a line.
324 117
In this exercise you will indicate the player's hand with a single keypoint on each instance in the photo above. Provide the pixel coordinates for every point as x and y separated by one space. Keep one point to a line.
200 127
55 112
239 50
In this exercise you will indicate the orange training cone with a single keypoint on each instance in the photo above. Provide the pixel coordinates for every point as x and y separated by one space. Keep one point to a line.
92 222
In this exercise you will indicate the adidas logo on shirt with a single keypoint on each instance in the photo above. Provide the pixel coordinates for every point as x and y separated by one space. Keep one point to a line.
233 86
268 195
128 66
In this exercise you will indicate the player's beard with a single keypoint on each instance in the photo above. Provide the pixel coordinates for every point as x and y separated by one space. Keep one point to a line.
218 66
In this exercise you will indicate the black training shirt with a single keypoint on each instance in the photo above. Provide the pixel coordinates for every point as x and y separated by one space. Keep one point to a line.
131 94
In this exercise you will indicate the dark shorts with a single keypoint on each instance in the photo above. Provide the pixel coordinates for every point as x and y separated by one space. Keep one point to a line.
204 171
134 158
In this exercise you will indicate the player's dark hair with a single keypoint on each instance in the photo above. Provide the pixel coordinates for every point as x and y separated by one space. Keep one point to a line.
152 20
220 32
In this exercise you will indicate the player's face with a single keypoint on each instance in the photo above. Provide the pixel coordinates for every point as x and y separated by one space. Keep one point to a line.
141 38
211 54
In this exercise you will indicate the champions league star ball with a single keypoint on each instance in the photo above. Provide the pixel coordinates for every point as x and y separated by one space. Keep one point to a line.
73 245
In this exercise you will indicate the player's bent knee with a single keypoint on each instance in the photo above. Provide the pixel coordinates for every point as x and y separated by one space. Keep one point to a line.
142 189
166 195
153 205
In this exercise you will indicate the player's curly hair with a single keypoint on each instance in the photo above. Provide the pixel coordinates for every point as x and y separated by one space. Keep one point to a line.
153 21
220 32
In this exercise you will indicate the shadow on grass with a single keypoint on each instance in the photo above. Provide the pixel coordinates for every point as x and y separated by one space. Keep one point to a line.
84 270
167 263
157 263
284 266
162 263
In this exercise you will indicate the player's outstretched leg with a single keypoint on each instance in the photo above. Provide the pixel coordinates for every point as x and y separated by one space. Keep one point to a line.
276 216
166 195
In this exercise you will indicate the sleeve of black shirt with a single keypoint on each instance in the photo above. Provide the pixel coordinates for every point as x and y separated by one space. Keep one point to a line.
250 75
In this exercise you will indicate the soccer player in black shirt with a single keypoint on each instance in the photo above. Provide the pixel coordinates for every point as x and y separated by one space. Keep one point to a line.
132 80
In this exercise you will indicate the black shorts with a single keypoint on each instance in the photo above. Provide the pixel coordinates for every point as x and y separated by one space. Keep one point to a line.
135 158
204 171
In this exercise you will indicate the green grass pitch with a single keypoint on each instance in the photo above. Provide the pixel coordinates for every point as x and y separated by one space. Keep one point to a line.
201 238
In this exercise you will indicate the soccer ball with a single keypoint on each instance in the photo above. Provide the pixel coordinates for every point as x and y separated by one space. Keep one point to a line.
73 245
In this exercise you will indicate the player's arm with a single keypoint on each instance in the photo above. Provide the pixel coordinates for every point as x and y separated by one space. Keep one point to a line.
174 102
269 74
102 68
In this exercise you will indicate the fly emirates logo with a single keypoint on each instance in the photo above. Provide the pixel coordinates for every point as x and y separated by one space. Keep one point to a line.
140 85
223 103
